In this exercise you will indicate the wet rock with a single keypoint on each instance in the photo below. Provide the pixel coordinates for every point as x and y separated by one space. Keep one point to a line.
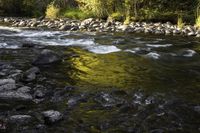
39 94
7 81
30 74
14 95
52 116
24 89
157 131
187 53
108 100
70 88
197 109
73 101
20 119
47 57
7 84
7 87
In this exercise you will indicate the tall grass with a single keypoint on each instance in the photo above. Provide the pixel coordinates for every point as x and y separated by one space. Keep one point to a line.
197 22
180 22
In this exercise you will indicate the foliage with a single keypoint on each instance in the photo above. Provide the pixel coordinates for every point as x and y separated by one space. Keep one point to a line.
148 10
52 11
197 21
75 13
180 23
97 7
117 16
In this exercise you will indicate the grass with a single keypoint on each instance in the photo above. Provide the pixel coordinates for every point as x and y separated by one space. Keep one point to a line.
180 23
197 21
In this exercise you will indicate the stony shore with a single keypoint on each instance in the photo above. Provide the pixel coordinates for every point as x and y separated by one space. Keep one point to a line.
97 25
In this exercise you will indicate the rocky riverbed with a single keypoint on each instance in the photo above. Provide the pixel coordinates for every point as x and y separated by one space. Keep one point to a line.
97 25
60 81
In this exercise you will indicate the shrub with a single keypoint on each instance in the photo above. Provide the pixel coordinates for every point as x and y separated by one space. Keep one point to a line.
52 11
117 16
75 13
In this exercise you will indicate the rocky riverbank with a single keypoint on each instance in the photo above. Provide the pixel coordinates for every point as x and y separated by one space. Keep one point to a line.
96 25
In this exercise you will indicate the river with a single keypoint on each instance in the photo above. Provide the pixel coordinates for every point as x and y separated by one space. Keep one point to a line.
126 82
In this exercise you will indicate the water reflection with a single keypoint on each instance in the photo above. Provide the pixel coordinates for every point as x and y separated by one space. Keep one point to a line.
110 70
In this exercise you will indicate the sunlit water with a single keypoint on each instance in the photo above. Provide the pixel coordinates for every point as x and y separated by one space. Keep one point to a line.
161 75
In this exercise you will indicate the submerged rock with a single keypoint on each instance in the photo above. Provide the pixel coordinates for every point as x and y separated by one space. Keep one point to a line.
52 116
47 57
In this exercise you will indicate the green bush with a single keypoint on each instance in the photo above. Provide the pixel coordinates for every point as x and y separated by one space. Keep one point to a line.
52 11
75 13
117 16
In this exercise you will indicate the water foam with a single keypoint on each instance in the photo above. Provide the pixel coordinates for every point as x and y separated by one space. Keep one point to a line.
100 49
10 28
88 44
6 46
153 55
189 53
159 45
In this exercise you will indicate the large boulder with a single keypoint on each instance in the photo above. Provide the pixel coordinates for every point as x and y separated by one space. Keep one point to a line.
47 57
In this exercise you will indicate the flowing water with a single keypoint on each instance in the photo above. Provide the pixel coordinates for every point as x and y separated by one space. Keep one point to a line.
126 82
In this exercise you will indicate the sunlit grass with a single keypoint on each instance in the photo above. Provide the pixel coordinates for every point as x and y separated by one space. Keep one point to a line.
180 22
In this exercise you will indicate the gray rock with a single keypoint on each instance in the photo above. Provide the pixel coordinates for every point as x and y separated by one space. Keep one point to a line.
14 95
87 21
39 94
7 84
35 70
198 35
191 33
65 27
52 116
167 32
47 57
7 87
123 27
7 81
24 89
20 119
197 109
